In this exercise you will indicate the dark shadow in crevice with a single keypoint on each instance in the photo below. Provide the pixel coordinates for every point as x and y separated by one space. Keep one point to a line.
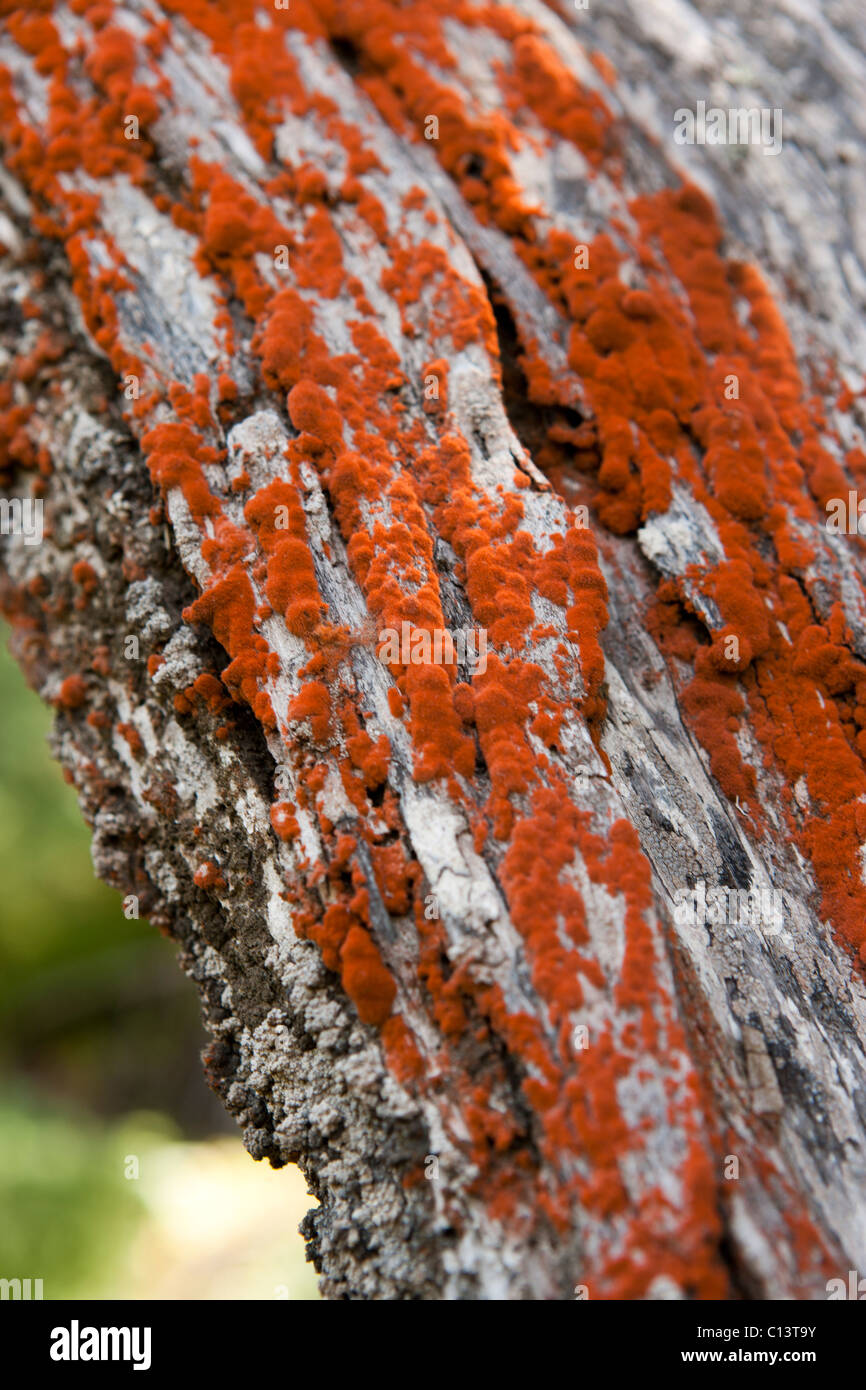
532 423
347 55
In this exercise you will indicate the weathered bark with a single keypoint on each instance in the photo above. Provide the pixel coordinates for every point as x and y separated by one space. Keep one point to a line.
403 971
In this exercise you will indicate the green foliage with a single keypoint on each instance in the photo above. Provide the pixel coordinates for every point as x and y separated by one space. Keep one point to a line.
53 910
98 1031
68 1210
93 1008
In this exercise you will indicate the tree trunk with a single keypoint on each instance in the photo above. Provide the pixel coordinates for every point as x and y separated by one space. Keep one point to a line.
328 327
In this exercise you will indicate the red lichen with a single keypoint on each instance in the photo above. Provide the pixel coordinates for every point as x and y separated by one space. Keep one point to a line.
72 693
209 875
365 979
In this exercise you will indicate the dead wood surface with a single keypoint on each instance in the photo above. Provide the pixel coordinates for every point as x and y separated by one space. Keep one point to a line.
557 1164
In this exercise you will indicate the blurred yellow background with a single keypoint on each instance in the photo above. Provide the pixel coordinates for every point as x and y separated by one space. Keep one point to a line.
120 1174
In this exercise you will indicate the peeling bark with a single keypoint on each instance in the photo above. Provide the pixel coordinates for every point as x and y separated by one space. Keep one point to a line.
432 912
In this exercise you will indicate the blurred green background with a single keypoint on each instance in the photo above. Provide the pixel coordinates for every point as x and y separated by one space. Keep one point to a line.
120 1174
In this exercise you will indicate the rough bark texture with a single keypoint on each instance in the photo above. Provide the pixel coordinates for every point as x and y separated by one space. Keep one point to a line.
431 911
